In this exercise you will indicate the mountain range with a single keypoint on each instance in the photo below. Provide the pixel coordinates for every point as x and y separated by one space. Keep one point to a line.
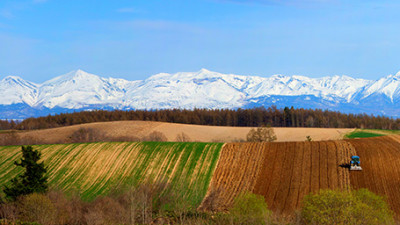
79 90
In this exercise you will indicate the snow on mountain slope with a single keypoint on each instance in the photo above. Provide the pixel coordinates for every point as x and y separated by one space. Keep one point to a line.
14 90
336 87
215 90
388 86
342 86
201 89
79 89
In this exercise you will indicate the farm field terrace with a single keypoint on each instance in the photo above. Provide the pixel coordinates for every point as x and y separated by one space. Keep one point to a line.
94 169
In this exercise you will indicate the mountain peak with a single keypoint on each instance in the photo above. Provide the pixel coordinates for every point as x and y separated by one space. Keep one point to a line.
73 75
16 80
278 76
78 73
397 74
12 78
203 70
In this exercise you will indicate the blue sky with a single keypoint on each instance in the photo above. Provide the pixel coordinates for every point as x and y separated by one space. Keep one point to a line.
40 39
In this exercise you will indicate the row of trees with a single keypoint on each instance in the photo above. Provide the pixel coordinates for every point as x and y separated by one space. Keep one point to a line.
287 117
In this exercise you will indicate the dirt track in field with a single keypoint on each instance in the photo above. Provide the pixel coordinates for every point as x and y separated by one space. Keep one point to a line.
196 133
285 172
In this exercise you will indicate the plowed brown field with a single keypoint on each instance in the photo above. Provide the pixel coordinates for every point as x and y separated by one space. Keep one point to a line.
380 160
282 172
285 172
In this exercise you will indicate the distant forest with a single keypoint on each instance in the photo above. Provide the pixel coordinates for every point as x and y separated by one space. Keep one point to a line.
287 117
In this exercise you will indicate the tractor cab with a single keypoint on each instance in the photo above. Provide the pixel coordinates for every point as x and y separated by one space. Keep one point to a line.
355 158
355 163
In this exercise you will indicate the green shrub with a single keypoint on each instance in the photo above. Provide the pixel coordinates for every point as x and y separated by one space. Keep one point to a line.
249 208
372 208
339 207
37 208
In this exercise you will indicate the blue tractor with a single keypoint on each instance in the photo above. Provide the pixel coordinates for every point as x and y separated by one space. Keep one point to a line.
355 163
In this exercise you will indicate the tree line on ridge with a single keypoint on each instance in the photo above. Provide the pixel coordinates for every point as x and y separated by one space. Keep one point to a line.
272 116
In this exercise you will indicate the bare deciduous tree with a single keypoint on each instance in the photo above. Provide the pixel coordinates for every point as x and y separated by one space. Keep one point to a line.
262 134
10 138
9 211
182 137
37 208
87 135
155 136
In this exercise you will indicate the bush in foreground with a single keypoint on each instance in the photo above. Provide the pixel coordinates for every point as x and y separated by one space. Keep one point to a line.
339 207
249 208
37 208
148 204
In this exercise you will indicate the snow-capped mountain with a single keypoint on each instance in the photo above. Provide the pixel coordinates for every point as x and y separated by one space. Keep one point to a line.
388 86
14 90
79 90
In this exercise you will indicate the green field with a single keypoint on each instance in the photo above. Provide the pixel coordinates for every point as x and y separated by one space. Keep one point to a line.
363 134
93 169
366 133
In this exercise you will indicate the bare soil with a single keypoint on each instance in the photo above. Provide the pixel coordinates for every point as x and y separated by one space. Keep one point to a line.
380 161
285 172
281 172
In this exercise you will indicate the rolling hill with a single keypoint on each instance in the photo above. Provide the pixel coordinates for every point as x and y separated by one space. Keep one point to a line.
198 133
214 173
285 172
93 169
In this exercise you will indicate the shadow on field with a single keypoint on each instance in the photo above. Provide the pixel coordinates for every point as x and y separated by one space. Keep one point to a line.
345 165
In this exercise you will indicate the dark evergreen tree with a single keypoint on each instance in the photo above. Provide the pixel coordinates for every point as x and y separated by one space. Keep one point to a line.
33 179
